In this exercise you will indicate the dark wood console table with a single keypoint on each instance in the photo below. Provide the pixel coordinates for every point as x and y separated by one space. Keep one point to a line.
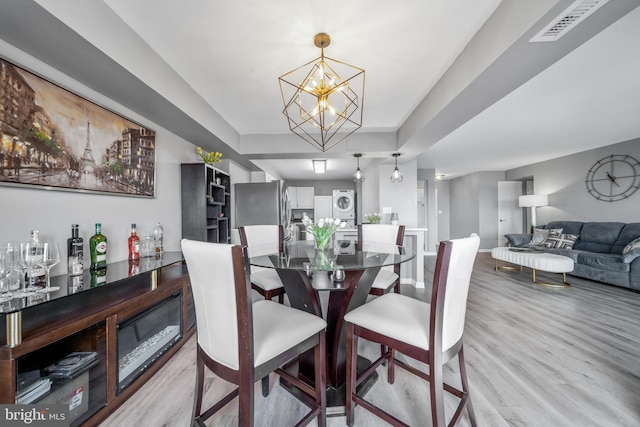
133 311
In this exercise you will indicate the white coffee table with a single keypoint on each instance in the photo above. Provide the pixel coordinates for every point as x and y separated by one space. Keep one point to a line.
535 260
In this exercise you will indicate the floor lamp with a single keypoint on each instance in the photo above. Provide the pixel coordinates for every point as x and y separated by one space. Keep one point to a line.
533 201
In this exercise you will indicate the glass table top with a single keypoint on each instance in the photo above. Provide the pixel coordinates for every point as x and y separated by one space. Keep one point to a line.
302 256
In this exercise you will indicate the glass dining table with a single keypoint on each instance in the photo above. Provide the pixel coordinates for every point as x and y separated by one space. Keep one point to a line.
328 283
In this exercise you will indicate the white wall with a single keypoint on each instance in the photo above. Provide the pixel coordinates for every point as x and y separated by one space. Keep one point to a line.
432 235
563 179
53 212
443 211
238 174
370 189
400 196
473 198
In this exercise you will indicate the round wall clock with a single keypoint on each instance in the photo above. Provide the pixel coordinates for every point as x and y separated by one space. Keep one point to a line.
615 177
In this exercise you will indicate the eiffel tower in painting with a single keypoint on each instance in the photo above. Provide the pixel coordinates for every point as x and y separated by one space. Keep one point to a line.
88 163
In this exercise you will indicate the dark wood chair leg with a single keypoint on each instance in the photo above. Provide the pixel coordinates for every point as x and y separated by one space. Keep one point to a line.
465 387
320 377
391 367
352 354
265 386
245 401
197 404
436 391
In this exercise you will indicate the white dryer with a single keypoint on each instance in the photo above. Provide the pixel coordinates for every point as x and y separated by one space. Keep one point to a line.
344 206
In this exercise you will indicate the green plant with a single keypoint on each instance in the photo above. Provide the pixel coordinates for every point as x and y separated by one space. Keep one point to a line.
210 156
373 218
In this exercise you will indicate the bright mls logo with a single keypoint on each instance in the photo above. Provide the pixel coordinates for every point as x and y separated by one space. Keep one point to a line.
34 415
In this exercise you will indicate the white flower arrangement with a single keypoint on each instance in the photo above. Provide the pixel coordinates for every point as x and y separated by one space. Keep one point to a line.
323 230
373 218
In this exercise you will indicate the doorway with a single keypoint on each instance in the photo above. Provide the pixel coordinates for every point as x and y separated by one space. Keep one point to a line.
509 212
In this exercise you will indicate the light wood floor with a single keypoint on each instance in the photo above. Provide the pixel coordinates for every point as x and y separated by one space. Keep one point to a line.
536 356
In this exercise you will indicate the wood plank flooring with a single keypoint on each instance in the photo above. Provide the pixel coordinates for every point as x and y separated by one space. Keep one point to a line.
536 356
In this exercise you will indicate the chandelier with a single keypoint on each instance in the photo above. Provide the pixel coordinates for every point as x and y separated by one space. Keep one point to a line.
323 98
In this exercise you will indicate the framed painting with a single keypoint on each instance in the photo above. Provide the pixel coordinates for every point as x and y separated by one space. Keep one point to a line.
51 138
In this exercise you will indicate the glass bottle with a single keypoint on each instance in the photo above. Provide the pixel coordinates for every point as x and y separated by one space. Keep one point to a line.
98 249
147 245
158 238
98 277
75 252
134 244
37 273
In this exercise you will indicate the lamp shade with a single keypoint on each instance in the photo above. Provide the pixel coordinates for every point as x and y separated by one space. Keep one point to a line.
533 200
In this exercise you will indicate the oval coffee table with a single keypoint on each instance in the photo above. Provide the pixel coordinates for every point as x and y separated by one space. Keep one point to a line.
535 260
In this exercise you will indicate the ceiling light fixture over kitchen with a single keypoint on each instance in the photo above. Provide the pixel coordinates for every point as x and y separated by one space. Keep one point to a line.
358 176
322 105
319 166
396 176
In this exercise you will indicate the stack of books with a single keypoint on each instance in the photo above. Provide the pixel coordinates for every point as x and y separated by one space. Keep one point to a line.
31 387
72 365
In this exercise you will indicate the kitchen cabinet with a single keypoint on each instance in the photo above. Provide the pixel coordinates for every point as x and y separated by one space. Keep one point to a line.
323 207
206 203
301 197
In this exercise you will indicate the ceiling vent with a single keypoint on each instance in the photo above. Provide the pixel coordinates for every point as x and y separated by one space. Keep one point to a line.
568 19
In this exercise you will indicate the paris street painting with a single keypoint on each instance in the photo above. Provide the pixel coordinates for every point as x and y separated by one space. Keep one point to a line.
51 138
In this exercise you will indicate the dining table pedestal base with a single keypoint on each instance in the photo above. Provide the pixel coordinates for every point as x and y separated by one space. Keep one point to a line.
336 397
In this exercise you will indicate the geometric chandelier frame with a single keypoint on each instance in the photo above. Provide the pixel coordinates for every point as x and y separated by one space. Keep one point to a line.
323 98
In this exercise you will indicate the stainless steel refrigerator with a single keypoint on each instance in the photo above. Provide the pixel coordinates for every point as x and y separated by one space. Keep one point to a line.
262 203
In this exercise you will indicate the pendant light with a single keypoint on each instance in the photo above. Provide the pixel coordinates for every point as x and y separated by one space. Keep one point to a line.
396 176
358 176
323 98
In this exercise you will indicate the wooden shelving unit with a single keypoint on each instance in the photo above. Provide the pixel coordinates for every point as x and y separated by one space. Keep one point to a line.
206 203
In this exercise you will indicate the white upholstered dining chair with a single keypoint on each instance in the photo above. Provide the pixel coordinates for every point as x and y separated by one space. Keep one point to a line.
430 333
242 342
389 277
264 240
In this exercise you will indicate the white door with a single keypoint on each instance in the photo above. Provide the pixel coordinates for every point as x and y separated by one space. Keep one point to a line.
422 203
509 213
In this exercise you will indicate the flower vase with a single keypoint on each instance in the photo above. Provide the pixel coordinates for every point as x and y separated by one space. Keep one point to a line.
322 242
323 260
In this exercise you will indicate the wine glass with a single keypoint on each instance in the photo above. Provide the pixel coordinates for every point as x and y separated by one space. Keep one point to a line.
11 270
51 257
31 262
4 275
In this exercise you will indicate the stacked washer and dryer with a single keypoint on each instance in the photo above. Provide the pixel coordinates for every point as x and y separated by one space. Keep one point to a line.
344 206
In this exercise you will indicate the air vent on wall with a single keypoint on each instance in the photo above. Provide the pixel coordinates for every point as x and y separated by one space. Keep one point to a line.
568 19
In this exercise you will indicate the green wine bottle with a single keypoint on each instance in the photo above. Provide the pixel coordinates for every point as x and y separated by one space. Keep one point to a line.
98 249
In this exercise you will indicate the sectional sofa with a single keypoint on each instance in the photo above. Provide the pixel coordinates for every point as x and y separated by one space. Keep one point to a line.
608 252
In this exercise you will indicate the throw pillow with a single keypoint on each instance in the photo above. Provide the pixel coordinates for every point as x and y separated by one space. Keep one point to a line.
541 234
631 251
564 241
